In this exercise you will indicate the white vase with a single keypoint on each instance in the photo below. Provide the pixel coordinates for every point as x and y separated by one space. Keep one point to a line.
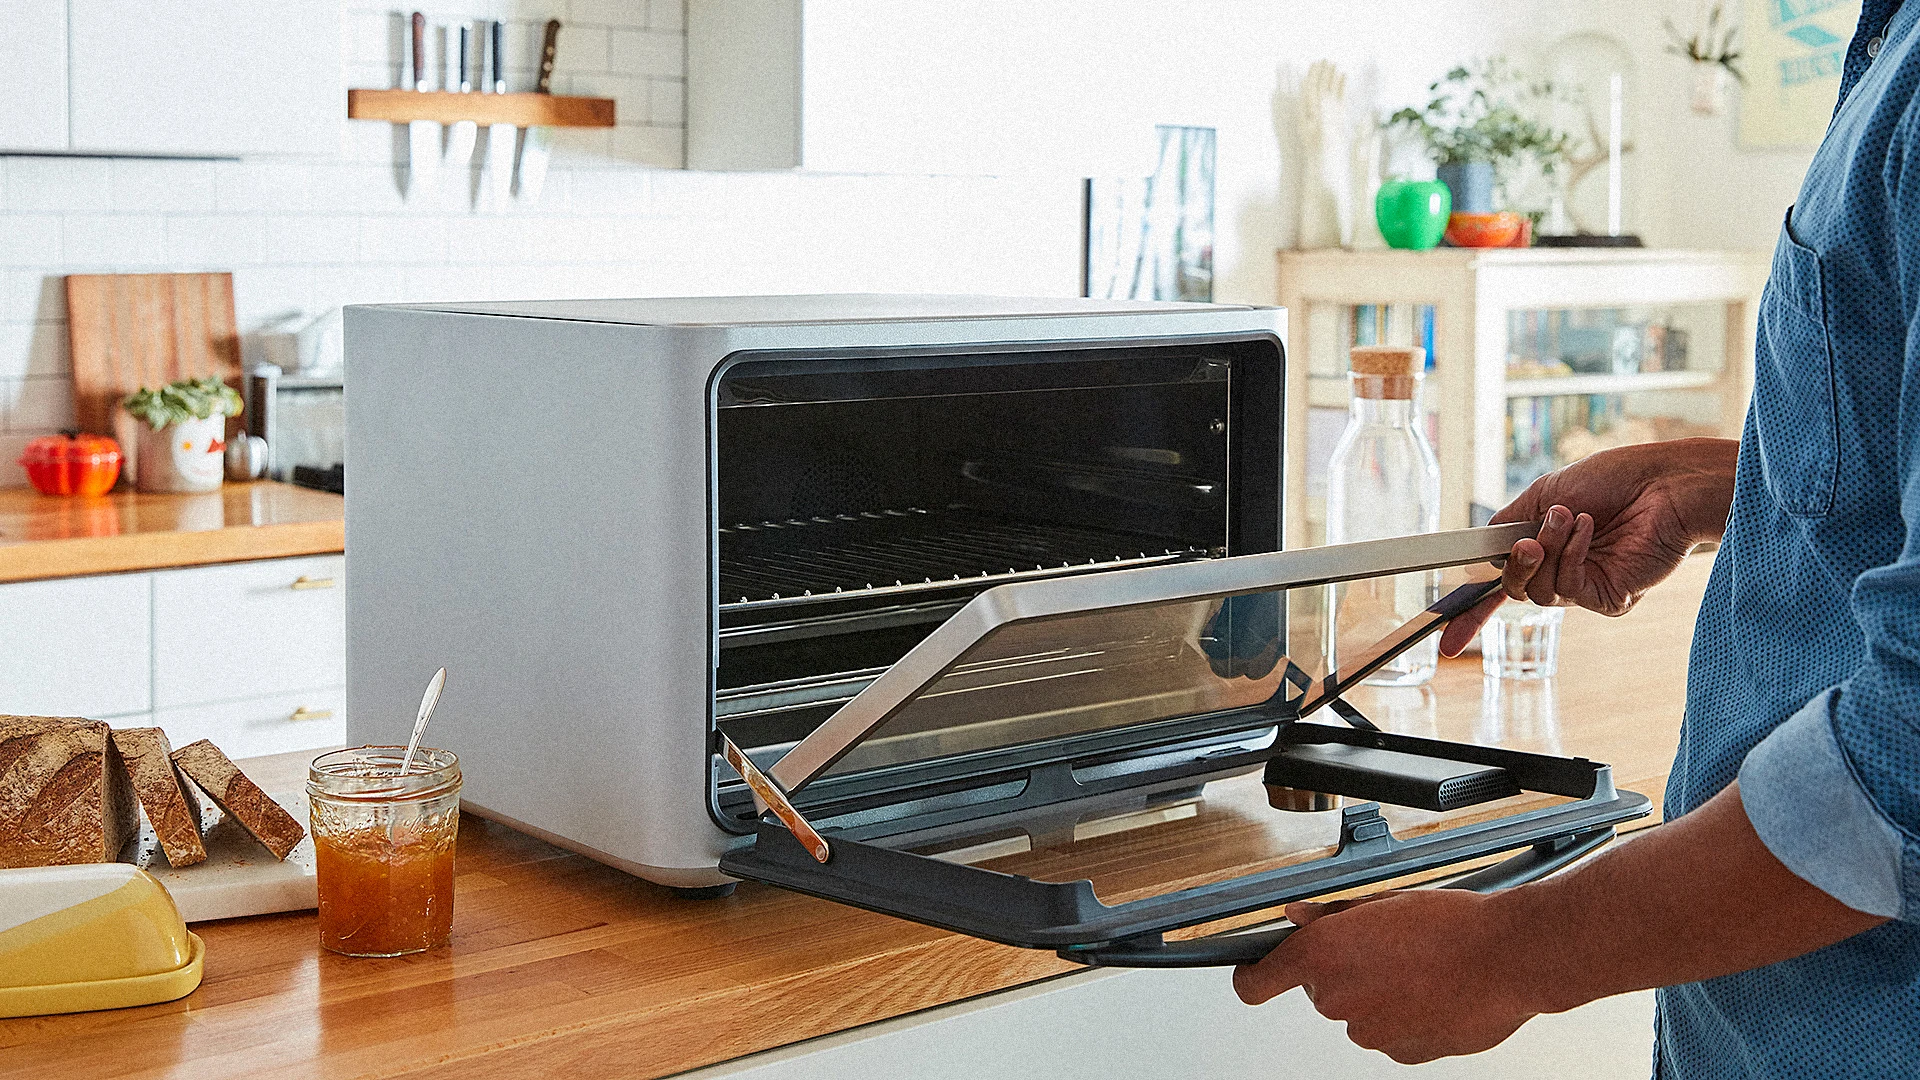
184 457
1709 97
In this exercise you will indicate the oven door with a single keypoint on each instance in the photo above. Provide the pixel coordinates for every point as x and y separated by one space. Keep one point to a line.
1099 859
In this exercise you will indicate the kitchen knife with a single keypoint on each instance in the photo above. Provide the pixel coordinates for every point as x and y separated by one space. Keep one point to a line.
423 136
497 178
464 133
536 143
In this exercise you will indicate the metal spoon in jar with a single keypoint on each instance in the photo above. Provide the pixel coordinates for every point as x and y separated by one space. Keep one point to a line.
427 701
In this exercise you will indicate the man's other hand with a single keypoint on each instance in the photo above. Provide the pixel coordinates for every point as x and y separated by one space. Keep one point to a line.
1416 975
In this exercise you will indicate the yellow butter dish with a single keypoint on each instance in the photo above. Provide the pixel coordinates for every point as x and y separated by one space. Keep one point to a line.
94 936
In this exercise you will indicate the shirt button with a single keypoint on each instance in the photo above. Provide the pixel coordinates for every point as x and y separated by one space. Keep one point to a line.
1873 47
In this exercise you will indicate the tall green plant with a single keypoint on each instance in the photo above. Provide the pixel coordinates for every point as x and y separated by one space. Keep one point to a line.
178 402
1487 112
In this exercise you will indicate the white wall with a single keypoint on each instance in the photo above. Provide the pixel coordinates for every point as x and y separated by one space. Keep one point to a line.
618 218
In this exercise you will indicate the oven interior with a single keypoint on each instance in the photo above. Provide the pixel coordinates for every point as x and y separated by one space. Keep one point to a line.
860 500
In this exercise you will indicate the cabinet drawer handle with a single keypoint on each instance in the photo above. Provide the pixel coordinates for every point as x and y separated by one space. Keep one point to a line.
304 713
305 582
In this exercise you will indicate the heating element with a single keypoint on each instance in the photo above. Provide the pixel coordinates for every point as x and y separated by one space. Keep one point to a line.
890 552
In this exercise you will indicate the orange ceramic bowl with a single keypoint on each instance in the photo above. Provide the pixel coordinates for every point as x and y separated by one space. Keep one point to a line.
1484 230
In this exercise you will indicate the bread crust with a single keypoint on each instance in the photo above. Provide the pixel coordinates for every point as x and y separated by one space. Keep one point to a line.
64 792
214 773
171 807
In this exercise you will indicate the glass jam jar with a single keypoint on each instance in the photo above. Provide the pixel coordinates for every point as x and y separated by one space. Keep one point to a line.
383 848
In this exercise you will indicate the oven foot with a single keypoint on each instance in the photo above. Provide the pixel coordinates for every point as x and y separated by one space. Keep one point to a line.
704 892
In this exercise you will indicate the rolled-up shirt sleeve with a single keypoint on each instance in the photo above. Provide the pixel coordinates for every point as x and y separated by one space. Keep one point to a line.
1814 814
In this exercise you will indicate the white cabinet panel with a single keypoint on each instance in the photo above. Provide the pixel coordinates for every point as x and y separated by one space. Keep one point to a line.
1182 1024
216 77
931 86
76 646
33 76
242 630
274 724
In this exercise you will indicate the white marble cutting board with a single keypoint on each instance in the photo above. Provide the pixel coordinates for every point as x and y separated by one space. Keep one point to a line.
240 876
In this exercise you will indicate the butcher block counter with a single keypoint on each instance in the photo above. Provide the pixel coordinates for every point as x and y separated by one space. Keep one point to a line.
562 967
44 536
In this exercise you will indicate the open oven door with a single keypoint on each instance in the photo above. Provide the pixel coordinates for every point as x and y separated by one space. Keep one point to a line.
1150 646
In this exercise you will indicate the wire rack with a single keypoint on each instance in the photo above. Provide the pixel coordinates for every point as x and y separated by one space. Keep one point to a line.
847 556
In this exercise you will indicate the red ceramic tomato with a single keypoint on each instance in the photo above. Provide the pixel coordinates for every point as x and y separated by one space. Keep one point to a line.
72 464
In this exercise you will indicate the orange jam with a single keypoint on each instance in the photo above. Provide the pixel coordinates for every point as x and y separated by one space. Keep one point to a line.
381 897
383 844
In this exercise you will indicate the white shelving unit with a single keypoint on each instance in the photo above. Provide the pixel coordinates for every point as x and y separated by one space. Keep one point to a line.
1531 312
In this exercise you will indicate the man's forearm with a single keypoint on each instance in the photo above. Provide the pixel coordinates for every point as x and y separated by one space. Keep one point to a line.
1690 900
1702 474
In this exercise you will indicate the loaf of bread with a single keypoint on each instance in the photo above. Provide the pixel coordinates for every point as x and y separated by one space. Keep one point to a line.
64 795
172 809
212 772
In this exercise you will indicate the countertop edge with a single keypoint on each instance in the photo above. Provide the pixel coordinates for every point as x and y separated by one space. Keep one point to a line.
43 560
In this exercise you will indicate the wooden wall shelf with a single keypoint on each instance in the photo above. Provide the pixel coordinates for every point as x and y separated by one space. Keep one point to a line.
520 110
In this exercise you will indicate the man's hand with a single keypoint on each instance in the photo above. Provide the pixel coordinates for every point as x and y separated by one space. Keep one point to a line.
1433 972
1613 525
1415 975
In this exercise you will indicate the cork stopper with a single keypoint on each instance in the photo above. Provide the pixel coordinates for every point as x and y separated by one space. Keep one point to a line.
1385 371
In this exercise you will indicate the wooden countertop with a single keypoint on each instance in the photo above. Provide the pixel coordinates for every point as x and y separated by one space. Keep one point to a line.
563 967
46 536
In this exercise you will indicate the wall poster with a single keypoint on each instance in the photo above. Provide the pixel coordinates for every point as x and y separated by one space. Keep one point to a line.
1793 51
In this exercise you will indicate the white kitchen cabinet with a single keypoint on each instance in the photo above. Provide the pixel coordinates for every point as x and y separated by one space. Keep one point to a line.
930 86
273 724
251 655
76 647
204 77
243 630
33 76
1099 1025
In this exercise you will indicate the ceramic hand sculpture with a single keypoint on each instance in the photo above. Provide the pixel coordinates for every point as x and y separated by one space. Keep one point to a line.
1364 233
1326 190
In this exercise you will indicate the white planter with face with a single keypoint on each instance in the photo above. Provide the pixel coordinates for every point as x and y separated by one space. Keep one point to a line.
183 457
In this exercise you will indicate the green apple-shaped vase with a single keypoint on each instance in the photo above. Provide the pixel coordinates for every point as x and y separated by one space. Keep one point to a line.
1412 213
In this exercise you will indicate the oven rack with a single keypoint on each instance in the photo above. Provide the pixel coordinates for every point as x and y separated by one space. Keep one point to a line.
888 552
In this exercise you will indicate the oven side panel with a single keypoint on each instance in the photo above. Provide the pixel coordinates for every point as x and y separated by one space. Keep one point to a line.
528 508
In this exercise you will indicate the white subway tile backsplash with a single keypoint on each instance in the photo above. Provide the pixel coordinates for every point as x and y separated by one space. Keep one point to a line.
37 403
214 243
666 102
110 243
60 184
312 240
581 49
660 147
11 447
264 294
262 187
32 296
403 240
608 12
30 239
147 186
668 15
645 52
33 350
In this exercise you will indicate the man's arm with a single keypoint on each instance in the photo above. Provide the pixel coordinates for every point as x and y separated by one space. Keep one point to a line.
1425 974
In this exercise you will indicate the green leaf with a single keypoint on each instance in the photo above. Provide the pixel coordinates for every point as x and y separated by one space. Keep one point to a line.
187 399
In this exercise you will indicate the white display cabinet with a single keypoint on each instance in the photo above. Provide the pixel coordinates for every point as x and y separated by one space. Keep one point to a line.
1537 357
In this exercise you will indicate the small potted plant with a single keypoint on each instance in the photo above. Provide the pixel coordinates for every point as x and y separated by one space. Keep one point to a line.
183 442
1714 51
1480 121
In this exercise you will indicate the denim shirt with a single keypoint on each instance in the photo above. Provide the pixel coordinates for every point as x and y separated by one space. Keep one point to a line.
1805 672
